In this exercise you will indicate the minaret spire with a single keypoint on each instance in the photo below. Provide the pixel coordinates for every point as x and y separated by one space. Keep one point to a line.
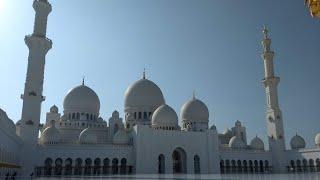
273 112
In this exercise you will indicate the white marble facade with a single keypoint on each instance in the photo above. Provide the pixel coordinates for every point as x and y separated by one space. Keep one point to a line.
151 139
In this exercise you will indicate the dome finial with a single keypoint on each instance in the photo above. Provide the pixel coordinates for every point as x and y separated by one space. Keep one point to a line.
144 73
83 77
265 31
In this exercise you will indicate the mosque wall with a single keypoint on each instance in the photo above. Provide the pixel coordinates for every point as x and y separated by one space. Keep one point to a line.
150 144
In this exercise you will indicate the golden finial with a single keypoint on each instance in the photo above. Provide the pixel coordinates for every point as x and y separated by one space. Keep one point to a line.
144 73
265 31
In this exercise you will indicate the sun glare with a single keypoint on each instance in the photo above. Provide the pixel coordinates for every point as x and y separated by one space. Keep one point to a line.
1 5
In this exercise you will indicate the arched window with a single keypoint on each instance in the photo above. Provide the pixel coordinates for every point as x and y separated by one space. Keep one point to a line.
115 163
261 166
135 115
106 166
48 167
87 116
78 115
97 166
305 165
233 166
292 166
196 160
73 115
222 171
78 167
161 164
68 167
245 166
150 114
87 167
256 166
123 166
239 166
228 166
299 169
250 166
311 164
318 164
145 115
140 115
266 164
58 167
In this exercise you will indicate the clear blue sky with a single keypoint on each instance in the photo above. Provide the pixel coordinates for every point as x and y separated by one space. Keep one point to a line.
210 46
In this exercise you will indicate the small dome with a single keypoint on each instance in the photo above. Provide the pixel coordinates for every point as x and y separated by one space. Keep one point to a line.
54 109
213 127
317 139
227 132
82 99
115 114
297 142
237 123
236 143
121 137
50 135
195 110
88 136
165 116
257 144
143 93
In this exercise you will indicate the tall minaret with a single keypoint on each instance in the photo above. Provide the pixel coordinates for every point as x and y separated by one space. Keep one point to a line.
38 45
273 113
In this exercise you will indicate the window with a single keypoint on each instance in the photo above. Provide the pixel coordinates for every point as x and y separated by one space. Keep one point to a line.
145 116
140 114
135 115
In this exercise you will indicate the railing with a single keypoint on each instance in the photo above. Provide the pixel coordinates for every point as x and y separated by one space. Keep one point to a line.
82 171
303 169
245 170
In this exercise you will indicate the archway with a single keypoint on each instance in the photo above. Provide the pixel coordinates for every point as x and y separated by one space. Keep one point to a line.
106 165
68 167
161 164
115 163
58 167
78 167
123 166
87 166
97 166
48 167
179 159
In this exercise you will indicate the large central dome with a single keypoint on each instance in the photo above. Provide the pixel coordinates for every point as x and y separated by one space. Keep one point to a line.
143 93
81 99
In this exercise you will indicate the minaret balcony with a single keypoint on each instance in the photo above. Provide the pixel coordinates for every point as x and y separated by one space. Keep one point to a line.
271 81
42 7
42 44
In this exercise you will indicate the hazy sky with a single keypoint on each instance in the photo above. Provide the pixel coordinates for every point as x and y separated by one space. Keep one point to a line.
210 46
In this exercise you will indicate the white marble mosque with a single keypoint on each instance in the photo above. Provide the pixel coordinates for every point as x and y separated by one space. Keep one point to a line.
150 139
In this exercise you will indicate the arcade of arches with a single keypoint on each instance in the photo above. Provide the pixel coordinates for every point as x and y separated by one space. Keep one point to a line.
84 167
